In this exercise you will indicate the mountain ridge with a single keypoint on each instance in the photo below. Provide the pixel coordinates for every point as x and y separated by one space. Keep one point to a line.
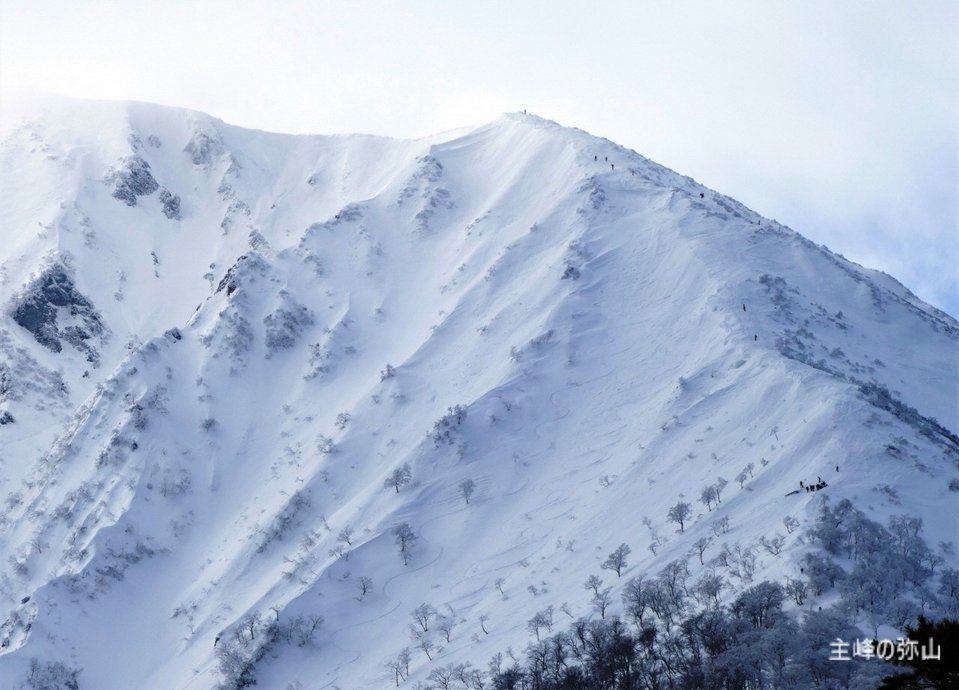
497 307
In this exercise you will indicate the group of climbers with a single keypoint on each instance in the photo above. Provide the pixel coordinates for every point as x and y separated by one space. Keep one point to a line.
612 166
820 484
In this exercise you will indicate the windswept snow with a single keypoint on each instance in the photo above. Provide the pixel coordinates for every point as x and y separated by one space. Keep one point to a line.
588 344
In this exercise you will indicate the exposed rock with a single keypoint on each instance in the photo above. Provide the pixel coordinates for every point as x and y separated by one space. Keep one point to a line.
171 204
251 262
203 148
133 180
53 310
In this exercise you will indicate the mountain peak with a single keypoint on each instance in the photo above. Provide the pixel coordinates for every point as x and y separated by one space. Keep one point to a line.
346 378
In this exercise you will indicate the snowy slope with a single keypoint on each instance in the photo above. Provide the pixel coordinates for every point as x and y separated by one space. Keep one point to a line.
197 322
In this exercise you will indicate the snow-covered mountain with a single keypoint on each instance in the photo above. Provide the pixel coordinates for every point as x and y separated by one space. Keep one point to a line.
234 364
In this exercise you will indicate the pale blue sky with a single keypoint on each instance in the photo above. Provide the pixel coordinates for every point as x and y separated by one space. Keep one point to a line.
839 119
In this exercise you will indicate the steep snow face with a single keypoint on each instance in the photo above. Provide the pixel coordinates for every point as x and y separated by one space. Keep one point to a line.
221 348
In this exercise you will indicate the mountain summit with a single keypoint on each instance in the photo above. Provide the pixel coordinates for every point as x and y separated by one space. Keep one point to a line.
263 397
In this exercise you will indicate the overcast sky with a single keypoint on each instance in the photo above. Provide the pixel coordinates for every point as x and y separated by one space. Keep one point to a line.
839 119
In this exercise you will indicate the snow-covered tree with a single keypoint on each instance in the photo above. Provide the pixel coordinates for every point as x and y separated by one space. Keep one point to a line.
399 478
602 600
679 514
708 497
593 582
701 545
423 614
616 561
405 539
445 625
467 487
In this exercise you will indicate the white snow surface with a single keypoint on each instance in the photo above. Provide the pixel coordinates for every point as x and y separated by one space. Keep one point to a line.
154 497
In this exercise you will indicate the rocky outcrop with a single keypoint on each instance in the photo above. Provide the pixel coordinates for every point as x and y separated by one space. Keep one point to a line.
204 148
54 311
171 204
134 179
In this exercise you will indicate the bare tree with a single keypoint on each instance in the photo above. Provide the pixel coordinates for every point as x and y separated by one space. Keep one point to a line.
797 590
541 620
313 621
593 582
482 619
617 559
394 666
743 563
708 588
602 600
37 542
719 486
406 657
405 539
300 630
774 545
636 597
701 545
400 665
467 487
346 535
294 630
423 614
399 477
741 478
250 622
443 676
422 640
471 678
445 625
679 513
721 526
708 497
366 585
